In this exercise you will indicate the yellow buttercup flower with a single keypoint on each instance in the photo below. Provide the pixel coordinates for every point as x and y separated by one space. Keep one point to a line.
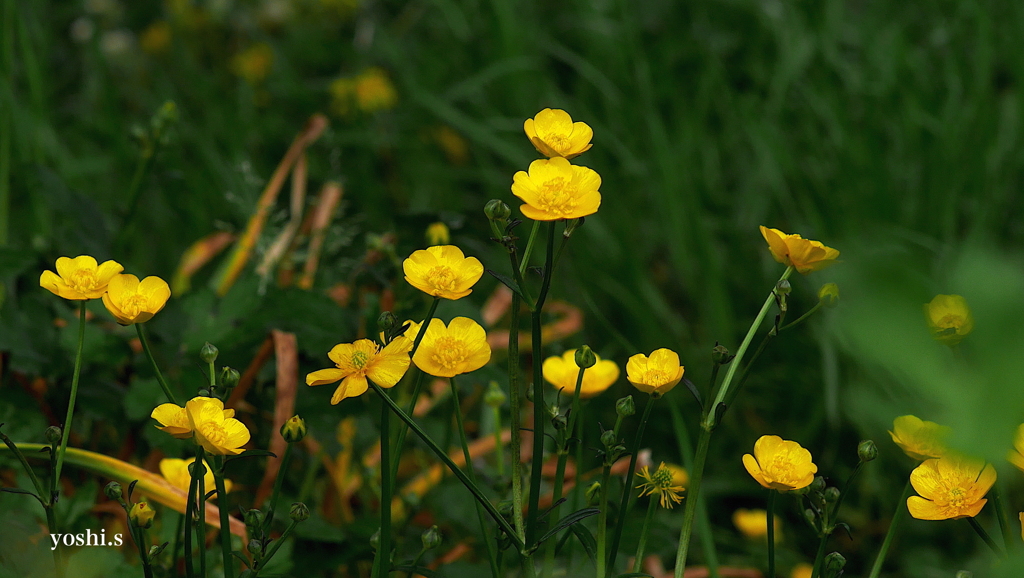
132 301
374 90
141 515
438 234
779 464
217 433
950 487
657 374
804 255
554 134
175 471
174 419
361 360
79 278
447 351
442 271
254 63
555 189
949 318
1016 455
562 372
663 483
156 39
919 439
754 523
802 570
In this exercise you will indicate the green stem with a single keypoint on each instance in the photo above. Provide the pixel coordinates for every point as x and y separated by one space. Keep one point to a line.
627 490
529 248
139 535
711 416
225 521
455 469
563 457
539 409
488 543
58 556
602 521
382 560
704 525
499 445
71 402
638 564
190 512
696 477
897 517
1004 522
278 482
770 521
177 540
416 389
819 557
515 418
802 318
40 489
985 537
200 464
156 369
274 548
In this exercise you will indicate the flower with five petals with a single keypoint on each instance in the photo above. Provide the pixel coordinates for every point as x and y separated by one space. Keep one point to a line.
554 134
442 271
79 278
779 464
132 301
555 189
950 487
453 349
804 255
355 362
657 374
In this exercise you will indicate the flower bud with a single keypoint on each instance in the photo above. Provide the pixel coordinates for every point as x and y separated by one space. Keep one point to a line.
559 422
608 438
256 548
155 550
585 357
208 353
113 491
299 512
831 494
828 295
497 210
437 234
593 494
194 466
720 355
625 406
254 518
505 508
53 434
783 287
571 225
818 484
834 564
294 429
203 392
529 394
495 396
141 515
431 538
229 377
387 322
810 516
867 451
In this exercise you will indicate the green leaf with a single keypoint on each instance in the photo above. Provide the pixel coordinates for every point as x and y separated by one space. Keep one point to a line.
586 540
508 282
567 521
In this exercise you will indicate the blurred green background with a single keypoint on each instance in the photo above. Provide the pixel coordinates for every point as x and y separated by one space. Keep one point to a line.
889 130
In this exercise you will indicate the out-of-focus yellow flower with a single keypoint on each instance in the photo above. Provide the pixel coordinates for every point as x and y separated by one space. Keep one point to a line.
254 63
156 39
779 464
828 295
132 301
374 90
657 374
1020 517
175 471
174 419
804 255
79 278
447 351
680 477
919 439
949 318
754 523
442 271
555 189
141 515
663 483
453 145
802 570
438 234
355 362
342 91
1016 455
554 134
562 372
950 487
213 429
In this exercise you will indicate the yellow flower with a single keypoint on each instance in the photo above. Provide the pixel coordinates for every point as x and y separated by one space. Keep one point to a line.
437 234
442 271
779 464
1016 455
157 38
554 134
253 64
919 439
949 318
950 487
754 523
447 351
132 301
663 483
174 419
802 570
360 360
142 515
374 90
218 433
679 475
562 372
657 374
175 471
555 189
803 254
79 278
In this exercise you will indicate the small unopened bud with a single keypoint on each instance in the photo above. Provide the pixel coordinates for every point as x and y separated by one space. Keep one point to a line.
256 548
571 225
196 469
387 322
834 564
254 518
299 512
203 392
53 434
431 538
593 494
831 494
155 550
608 438
585 357
495 396
505 508
208 353
783 287
529 394
294 429
810 516
375 540
142 515
625 406
867 451
559 422
497 210
229 377
828 295
720 355
437 234
113 491
818 484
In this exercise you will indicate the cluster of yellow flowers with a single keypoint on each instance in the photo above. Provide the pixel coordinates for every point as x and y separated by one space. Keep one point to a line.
129 300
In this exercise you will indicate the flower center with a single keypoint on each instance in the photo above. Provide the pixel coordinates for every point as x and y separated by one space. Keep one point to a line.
781 470
951 323
662 479
132 305
442 277
957 498
558 196
449 353
214 433
359 359
83 280
558 141
655 377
